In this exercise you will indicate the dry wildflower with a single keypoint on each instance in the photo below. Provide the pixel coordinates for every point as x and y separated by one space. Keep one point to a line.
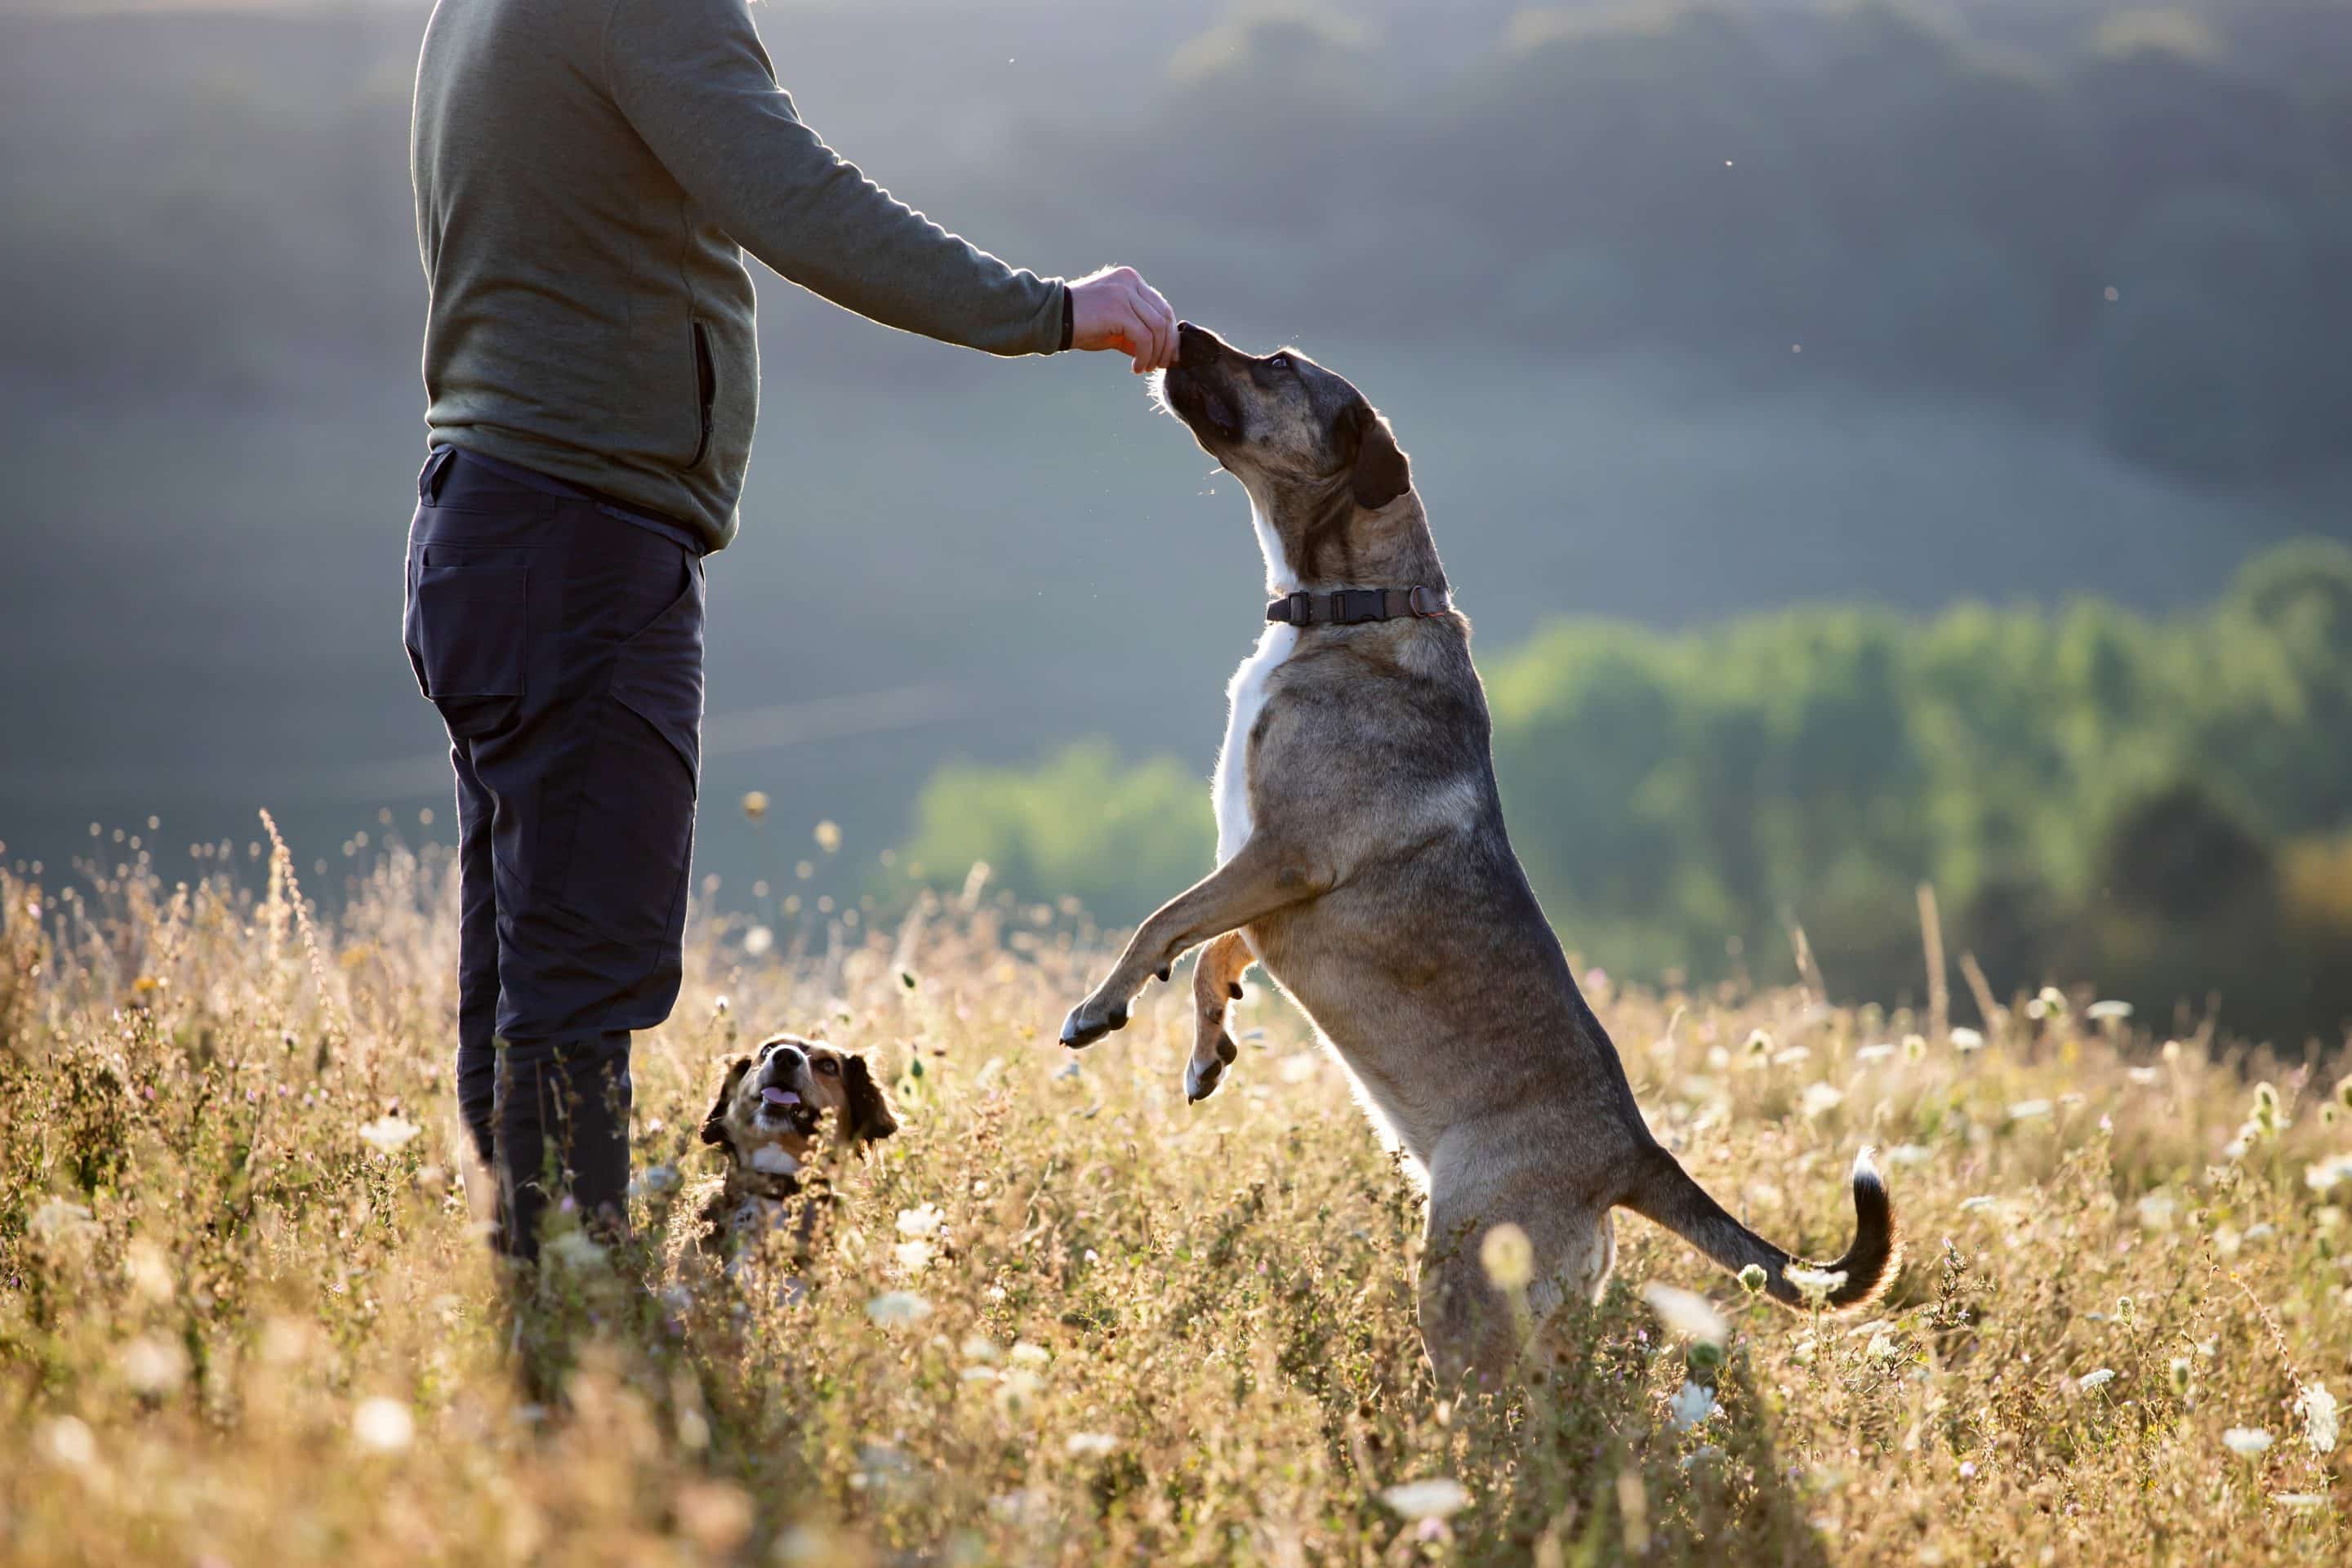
828 837
755 804
758 941
1508 1257
1753 1279
2177 1372
1915 1047
714 1515
383 1425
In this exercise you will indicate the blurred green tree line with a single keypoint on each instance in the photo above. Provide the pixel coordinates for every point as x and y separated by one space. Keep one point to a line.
2159 806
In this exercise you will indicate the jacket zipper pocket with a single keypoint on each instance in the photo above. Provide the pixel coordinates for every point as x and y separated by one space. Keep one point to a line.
706 383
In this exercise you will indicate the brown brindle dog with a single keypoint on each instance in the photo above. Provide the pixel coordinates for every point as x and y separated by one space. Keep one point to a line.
1362 860
771 1111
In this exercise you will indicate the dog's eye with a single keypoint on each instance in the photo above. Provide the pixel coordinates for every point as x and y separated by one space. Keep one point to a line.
1279 362
828 1067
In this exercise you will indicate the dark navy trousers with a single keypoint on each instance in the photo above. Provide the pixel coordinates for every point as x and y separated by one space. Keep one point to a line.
560 639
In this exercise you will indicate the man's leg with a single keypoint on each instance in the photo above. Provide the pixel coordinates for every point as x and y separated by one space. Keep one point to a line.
565 647
477 961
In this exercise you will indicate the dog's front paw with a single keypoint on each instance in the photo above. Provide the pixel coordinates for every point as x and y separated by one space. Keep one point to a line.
1201 1078
1091 1019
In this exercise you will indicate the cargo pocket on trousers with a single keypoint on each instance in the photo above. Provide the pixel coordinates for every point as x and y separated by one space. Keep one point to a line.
635 838
470 630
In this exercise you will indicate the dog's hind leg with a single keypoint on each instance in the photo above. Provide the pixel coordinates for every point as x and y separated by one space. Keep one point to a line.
1216 983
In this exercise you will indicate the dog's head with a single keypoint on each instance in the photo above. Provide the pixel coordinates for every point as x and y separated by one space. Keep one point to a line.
773 1106
1316 457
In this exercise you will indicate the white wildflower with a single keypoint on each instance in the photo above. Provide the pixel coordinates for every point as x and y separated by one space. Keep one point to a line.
153 1365
575 1249
2300 1501
389 1133
382 1425
1909 1154
758 941
1509 1257
1814 1284
913 1256
1875 1052
68 1440
2029 1110
1018 1392
59 1220
1979 1203
893 1308
1692 1404
774 1159
981 1348
1092 1444
922 1220
2317 1407
2109 1011
1432 1498
1967 1040
1820 1099
2157 1208
1882 1346
2097 1378
2324 1176
2246 1442
1027 1354
1686 1313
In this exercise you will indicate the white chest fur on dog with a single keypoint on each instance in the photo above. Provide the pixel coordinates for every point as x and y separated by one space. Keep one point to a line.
1245 696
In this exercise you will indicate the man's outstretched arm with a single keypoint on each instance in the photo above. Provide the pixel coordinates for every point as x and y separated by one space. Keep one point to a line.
696 83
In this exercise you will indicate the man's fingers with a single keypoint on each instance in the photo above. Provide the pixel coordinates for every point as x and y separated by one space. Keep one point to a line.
1164 318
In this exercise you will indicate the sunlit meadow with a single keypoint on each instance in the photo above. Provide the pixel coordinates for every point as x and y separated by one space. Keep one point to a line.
247 1316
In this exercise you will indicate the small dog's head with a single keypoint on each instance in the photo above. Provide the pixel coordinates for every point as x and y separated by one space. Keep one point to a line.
773 1106
1312 453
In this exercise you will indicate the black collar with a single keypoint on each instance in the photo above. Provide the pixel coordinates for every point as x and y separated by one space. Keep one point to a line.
1352 606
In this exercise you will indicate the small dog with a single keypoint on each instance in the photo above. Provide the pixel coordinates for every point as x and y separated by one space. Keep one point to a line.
771 1111
1362 860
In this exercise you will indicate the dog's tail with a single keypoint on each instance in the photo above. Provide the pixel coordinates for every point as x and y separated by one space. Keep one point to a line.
1667 1193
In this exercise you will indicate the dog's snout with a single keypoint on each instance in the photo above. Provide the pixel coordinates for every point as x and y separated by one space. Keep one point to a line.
1195 345
786 1060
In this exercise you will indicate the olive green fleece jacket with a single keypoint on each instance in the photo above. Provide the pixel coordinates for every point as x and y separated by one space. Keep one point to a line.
589 173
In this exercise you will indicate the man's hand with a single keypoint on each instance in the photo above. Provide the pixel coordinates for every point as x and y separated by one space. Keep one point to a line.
1116 308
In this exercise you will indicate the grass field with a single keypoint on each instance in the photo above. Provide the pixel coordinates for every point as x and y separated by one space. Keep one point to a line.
246 1316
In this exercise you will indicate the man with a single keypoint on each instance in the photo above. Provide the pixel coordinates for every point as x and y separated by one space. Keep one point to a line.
586 171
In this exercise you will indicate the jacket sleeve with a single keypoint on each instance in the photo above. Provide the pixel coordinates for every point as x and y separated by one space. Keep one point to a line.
696 83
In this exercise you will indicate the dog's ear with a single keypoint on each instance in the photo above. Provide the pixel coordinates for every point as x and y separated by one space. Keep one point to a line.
714 1126
869 1108
1382 472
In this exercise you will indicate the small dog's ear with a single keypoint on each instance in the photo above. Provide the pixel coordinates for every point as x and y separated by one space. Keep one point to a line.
1382 472
714 1126
869 1108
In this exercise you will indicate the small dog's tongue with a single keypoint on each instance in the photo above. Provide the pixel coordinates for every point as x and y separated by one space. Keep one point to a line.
780 1096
